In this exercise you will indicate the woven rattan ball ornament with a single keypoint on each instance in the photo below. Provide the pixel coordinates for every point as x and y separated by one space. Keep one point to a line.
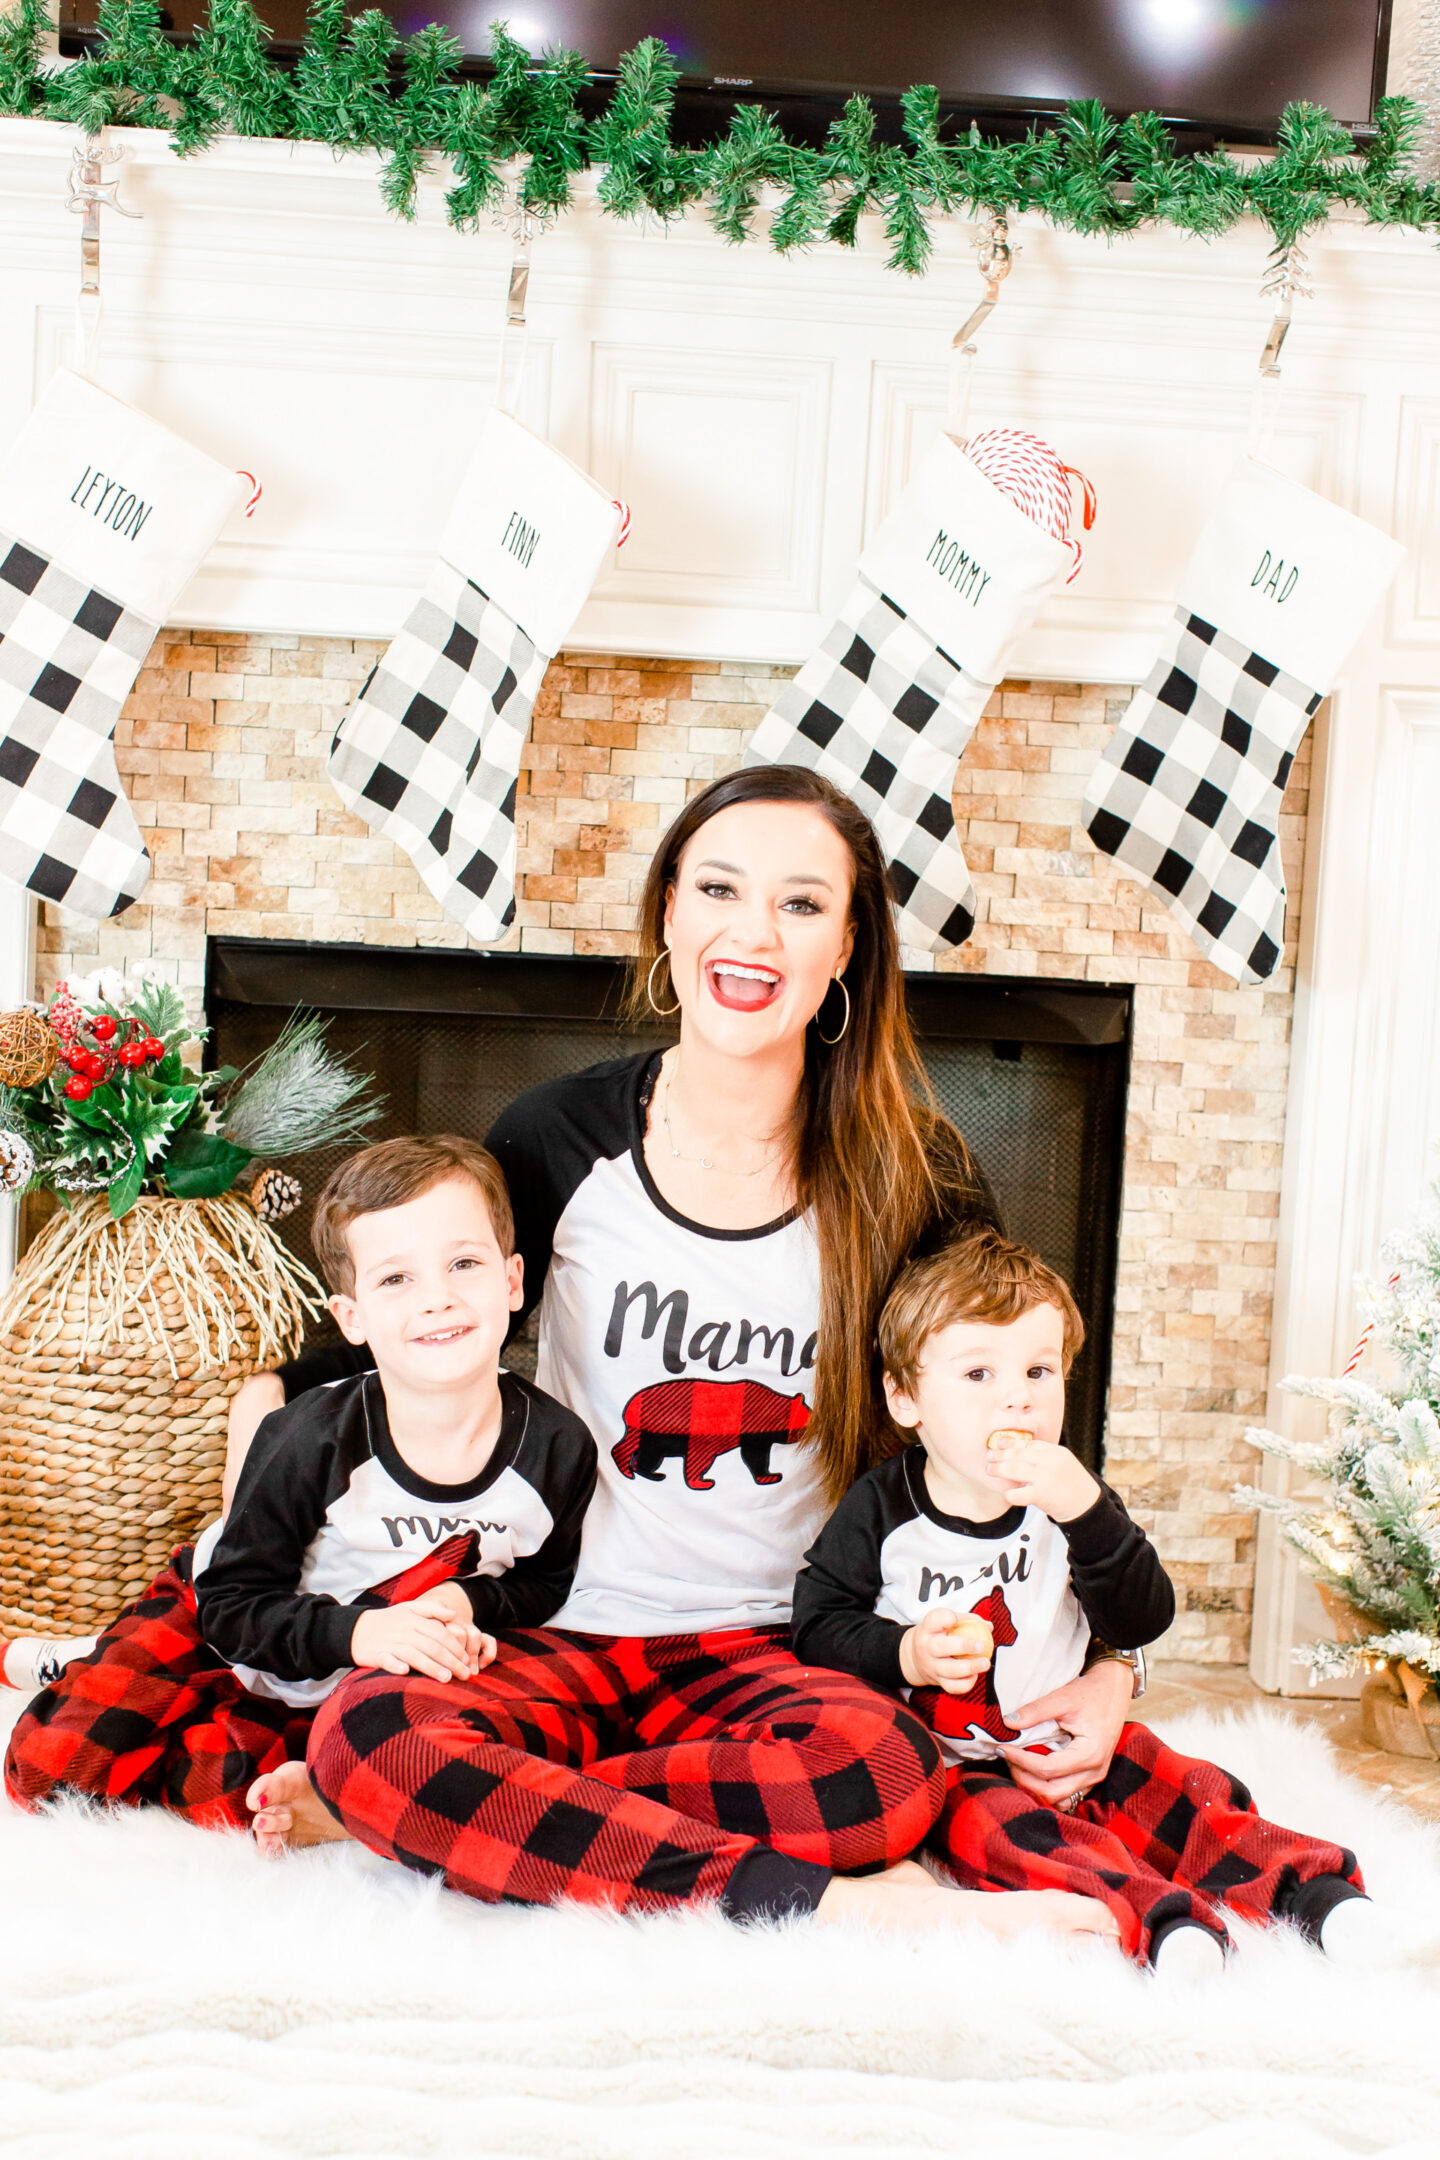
17 1162
28 1049
274 1195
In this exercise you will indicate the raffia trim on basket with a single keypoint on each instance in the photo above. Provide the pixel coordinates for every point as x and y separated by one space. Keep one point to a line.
233 1278
121 1345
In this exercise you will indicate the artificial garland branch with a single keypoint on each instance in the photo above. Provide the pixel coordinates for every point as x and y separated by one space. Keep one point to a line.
358 85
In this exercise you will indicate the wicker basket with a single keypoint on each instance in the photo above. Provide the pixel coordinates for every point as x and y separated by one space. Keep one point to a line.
121 1345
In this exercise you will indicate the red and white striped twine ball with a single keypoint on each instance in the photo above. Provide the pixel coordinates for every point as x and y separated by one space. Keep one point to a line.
1032 475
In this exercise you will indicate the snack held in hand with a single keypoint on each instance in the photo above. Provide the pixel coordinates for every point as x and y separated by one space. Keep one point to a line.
1008 1436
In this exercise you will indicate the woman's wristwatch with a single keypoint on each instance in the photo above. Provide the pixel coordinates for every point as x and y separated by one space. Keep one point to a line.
1135 1659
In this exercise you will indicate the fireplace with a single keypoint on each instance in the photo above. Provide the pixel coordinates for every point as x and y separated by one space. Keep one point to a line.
1034 1073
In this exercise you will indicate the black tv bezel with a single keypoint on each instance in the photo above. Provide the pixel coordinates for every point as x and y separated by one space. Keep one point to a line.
705 104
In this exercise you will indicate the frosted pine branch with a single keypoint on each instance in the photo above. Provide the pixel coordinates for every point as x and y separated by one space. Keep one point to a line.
298 1096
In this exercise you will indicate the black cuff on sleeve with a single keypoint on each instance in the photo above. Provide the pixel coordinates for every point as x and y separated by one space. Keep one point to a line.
768 1885
334 1625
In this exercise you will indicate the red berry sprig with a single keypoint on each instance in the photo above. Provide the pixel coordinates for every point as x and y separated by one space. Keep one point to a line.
65 1015
78 1087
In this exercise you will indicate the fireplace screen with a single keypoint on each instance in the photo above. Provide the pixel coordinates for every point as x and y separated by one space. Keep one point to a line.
1033 1073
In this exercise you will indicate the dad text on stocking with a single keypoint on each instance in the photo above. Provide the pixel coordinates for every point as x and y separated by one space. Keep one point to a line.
957 568
127 514
1268 577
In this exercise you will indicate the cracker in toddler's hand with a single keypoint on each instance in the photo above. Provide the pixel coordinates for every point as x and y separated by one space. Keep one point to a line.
1008 1436
970 1637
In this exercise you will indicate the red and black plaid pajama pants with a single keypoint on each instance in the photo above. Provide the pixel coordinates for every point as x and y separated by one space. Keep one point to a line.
153 1716
1164 1840
637 1773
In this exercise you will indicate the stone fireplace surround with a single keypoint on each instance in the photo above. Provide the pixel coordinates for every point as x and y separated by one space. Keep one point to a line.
223 752
759 416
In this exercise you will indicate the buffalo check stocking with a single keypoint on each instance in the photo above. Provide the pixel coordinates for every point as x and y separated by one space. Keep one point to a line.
1186 794
429 753
104 517
888 700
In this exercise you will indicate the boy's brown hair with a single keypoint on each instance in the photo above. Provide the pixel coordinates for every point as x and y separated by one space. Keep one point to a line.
981 1277
386 1176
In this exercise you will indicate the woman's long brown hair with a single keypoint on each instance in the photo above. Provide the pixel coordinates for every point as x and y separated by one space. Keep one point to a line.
874 1160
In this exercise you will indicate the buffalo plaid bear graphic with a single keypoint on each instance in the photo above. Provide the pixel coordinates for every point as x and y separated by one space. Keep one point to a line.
697 1421
977 1712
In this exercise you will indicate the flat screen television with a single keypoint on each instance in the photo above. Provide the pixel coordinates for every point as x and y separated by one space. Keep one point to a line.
1224 67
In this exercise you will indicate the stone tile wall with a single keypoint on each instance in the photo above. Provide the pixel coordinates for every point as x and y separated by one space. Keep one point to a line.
223 745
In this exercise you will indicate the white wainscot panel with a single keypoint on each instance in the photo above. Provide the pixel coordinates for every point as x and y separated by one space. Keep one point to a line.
722 459
338 422
1141 442
1415 596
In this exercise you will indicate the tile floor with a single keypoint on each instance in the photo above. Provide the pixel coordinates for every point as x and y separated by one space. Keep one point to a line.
1175 1687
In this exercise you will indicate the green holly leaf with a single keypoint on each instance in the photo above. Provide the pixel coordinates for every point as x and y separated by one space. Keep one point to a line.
125 1191
198 1165
149 1117
161 1007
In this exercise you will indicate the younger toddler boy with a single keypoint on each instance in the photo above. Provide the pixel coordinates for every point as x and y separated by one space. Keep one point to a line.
398 1519
974 1569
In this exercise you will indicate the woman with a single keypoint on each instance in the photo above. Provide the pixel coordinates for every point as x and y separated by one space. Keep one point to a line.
700 1223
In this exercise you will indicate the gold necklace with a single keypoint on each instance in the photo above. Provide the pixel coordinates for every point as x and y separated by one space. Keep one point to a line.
704 1162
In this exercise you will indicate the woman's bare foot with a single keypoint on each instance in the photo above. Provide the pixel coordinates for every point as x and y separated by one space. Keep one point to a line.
908 1898
289 1812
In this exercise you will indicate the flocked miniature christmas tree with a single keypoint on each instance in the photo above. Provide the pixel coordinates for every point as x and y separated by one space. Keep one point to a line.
1373 1541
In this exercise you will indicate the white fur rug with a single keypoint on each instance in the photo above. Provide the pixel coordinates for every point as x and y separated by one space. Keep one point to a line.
167 1995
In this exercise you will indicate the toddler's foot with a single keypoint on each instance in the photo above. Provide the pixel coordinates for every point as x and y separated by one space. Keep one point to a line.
906 1897
1356 1932
33 1662
289 1812
1189 1952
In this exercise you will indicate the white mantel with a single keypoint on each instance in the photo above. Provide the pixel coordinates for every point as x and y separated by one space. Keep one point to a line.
759 416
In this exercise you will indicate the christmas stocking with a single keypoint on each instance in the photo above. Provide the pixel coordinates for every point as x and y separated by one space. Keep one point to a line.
104 518
429 753
887 702
1186 794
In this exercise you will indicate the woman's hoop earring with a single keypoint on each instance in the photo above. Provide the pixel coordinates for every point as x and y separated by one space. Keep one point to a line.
663 1011
831 1040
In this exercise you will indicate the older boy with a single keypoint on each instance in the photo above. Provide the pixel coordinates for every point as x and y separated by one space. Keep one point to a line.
397 1519
975 1569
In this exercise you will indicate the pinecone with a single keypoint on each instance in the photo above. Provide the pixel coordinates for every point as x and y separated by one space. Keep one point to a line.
17 1162
274 1195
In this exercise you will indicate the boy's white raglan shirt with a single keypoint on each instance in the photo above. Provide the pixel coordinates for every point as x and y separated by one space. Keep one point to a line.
888 1556
326 1510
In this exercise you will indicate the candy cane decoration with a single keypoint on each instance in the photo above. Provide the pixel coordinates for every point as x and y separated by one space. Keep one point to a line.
1364 1343
1032 475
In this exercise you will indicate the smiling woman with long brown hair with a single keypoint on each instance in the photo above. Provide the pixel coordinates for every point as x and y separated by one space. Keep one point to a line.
710 1234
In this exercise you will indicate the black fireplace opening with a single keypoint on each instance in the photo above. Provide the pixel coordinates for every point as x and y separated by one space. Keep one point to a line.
1034 1073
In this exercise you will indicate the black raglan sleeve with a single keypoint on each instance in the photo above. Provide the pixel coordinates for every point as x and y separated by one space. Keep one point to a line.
559 1459
546 1142
1123 1589
251 1608
835 1622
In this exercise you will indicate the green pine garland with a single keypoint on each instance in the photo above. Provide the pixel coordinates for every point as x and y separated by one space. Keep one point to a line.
357 85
